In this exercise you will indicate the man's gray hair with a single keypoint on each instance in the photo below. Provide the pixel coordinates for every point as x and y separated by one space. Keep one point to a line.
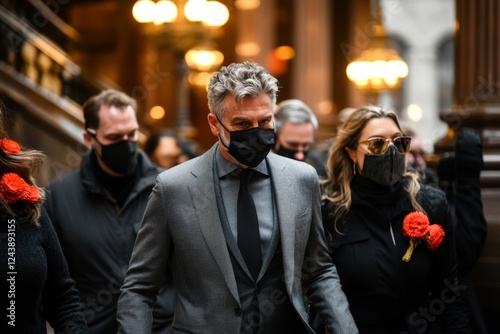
240 80
294 111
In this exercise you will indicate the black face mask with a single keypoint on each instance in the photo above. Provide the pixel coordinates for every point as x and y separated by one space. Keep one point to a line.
385 169
289 153
120 157
251 146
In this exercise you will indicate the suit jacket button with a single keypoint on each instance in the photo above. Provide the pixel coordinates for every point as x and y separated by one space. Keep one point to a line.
237 311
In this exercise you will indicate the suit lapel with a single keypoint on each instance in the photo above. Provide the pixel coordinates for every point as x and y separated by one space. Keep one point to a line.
284 188
202 192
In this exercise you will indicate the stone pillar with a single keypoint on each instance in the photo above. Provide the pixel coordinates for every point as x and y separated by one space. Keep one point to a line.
312 34
477 79
477 105
255 33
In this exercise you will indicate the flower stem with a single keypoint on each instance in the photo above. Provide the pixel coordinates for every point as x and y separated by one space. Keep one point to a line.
409 251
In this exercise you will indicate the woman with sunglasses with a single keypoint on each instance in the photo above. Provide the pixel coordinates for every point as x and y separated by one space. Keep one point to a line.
390 236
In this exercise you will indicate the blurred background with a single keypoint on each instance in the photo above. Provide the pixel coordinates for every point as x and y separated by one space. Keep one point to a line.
435 62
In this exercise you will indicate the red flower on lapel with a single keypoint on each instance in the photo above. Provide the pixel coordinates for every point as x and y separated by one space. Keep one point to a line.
417 228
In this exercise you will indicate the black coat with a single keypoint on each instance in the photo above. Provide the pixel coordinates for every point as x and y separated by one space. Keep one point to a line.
98 236
36 283
459 175
385 294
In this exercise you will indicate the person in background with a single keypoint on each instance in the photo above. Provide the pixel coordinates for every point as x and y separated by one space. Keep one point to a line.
36 284
296 126
167 149
97 209
318 156
415 158
342 117
391 237
240 227
459 176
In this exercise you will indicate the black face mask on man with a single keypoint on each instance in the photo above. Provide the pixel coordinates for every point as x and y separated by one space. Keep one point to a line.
250 146
386 169
120 157
287 153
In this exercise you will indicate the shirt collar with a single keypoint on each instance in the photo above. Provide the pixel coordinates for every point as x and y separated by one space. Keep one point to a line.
225 167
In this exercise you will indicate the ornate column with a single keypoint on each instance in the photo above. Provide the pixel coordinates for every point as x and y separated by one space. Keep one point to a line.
312 34
255 33
477 80
477 105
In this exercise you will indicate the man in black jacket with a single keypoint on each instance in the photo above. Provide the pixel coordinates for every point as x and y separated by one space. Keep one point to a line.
459 176
97 209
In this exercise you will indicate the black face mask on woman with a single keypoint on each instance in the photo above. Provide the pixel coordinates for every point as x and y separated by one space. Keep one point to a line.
120 157
250 146
384 169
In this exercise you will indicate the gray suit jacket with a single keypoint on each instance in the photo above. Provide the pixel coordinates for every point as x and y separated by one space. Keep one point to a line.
182 228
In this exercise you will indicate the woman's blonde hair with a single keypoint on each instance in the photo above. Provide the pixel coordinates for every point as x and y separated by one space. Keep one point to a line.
340 167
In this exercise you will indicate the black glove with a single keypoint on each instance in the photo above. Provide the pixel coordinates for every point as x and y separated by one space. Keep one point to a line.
446 169
469 153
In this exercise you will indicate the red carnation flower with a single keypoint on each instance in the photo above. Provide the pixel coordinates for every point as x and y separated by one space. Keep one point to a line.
417 228
416 225
13 188
436 235
10 146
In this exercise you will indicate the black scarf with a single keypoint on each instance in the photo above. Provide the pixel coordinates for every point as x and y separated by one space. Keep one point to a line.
387 201
118 187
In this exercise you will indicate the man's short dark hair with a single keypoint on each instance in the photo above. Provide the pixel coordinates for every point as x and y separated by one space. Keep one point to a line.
108 97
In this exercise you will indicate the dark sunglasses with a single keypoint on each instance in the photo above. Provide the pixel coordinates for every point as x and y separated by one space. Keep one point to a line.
379 145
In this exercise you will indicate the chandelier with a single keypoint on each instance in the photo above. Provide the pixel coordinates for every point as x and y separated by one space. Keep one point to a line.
183 25
209 13
379 67
187 28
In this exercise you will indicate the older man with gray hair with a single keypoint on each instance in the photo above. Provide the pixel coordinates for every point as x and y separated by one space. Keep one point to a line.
296 126
240 229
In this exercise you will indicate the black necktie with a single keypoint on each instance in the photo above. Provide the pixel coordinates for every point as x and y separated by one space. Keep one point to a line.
248 226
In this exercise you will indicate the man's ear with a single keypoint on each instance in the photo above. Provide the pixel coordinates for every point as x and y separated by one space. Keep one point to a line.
87 139
213 122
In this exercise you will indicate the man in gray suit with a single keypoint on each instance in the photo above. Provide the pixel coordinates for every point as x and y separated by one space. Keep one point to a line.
230 277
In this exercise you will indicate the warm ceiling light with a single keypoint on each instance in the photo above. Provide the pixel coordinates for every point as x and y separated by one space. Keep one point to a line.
200 79
203 58
165 11
249 49
247 4
284 52
379 67
194 10
143 11
414 112
157 112
216 14
211 13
